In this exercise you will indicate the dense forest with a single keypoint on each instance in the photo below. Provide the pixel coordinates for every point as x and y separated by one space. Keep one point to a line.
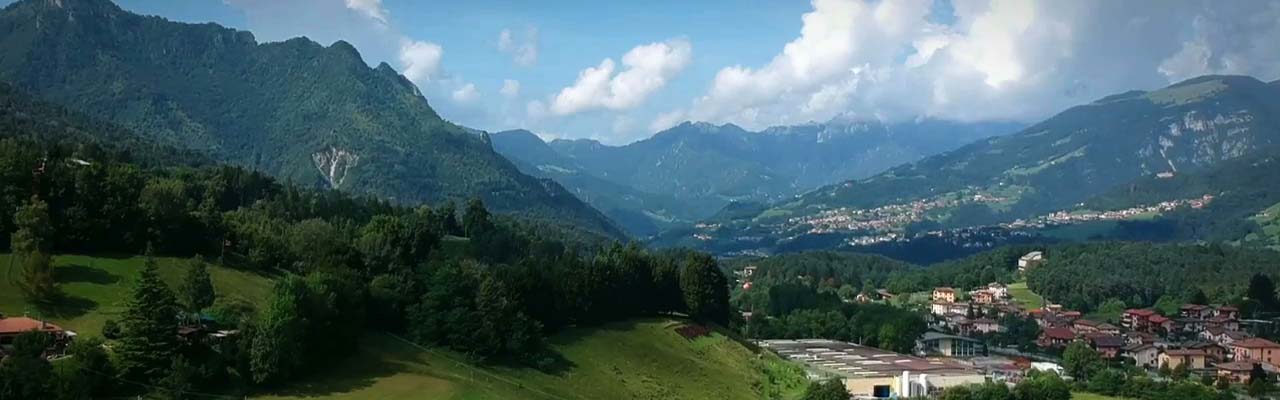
488 287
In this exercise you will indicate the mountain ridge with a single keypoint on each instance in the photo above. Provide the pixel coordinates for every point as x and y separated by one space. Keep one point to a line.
301 111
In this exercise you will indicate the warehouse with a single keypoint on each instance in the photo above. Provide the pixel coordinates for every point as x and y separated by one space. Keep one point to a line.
870 373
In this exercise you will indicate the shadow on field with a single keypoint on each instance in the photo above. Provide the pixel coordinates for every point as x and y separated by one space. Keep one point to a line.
80 273
68 306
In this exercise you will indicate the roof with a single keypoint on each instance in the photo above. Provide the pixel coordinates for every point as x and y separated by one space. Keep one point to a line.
1194 307
1243 366
944 289
852 360
1087 322
931 336
1107 341
1158 319
1228 308
1107 326
1185 352
1254 343
1142 312
23 324
1058 333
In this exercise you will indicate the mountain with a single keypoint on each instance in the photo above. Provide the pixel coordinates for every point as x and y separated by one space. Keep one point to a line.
1053 165
295 109
700 167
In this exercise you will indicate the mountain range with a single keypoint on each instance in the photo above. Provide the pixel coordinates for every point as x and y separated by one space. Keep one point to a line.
693 170
298 110
1054 165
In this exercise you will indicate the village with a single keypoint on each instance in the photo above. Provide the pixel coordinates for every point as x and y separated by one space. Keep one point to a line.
1212 342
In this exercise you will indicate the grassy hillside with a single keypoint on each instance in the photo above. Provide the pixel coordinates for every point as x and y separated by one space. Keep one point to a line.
633 360
97 288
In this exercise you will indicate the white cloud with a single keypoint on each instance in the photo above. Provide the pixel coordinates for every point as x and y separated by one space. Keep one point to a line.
466 94
535 110
370 8
646 69
420 60
667 120
523 50
510 88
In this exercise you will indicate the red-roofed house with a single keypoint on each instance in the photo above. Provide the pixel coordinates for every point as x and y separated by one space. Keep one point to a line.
1055 337
944 294
1256 350
1137 319
10 328
1193 358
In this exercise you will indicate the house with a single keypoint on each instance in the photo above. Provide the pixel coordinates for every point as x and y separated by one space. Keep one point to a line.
1256 350
1239 371
1228 311
1143 355
1109 329
1085 326
999 290
1108 346
1195 311
1222 336
983 297
1139 338
884 294
1055 337
1193 358
1160 323
11 328
987 325
1137 319
1222 321
944 294
1030 260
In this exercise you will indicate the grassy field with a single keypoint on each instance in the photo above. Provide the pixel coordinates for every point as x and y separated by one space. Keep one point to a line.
96 288
1025 297
632 360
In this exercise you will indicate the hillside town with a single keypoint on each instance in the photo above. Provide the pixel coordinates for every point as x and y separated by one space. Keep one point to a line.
1209 341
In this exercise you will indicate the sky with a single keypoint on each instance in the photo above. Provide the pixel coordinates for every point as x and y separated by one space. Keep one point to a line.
618 71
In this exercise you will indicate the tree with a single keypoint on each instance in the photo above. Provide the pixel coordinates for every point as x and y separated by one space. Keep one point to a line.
25 373
37 282
179 381
705 289
1080 361
197 287
1197 296
150 325
1164 370
278 345
1042 386
1262 289
1181 372
84 375
832 389
476 220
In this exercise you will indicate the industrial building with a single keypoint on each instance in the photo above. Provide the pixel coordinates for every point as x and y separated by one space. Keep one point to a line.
871 373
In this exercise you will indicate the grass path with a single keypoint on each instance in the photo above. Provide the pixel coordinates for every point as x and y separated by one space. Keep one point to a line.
1025 297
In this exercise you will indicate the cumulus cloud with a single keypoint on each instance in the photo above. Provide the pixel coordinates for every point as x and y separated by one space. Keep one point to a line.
666 120
644 70
996 59
466 93
523 50
370 8
420 60
510 88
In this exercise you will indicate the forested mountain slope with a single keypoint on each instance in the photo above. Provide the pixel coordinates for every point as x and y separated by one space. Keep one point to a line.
300 111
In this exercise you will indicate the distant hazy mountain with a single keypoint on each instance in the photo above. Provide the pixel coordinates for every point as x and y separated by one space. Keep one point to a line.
693 170
1053 165
296 109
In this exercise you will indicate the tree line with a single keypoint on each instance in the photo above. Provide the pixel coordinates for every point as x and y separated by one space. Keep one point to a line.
484 285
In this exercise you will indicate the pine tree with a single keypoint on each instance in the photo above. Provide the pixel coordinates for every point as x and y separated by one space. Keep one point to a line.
37 281
150 325
31 243
197 287
1263 290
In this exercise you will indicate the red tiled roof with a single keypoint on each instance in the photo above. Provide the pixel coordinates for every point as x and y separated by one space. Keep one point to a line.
1140 312
23 324
1254 343
1228 308
944 289
1158 319
1059 333
1185 352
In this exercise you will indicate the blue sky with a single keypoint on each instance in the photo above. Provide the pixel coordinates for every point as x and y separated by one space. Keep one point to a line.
763 63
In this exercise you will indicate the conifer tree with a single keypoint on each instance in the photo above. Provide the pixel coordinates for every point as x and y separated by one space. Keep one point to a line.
150 324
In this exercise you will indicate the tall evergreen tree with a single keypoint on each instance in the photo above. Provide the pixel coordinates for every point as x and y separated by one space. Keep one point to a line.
705 289
24 372
150 325
1263 290
197 287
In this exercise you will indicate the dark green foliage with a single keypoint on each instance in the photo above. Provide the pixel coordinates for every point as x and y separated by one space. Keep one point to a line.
179 380
985 391
150 326
1080 361
293 108
24 372
706 291
197 287
832 389
86 374
1263 290
1043 386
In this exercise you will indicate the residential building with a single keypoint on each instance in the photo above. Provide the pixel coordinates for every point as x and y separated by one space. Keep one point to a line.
10 328
1055 337
1137 319
1030 260
1193 358
1195 311
1108 346
1085 326
944 294
1143 355
1239 371
987 325
1256 350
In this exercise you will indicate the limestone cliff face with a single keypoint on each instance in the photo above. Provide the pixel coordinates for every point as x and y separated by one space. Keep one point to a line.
334 165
